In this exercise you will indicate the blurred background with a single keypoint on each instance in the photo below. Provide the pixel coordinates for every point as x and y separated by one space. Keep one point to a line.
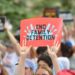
13 11
16 10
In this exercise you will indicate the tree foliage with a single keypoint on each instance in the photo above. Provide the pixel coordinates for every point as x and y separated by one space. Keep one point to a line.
15 10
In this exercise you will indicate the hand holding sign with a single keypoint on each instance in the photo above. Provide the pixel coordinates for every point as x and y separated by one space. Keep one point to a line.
52 51
53 57
23 49
41 31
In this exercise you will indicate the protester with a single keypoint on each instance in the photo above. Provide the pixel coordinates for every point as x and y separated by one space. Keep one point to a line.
43 55
53 56
31 55
23 64
10 60
69 40
21 70
66 50
45 61
41 50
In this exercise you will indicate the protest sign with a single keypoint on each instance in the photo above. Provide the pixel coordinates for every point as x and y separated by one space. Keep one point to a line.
51 12
66 16
41 31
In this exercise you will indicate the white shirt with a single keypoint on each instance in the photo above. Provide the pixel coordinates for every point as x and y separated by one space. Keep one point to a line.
9 61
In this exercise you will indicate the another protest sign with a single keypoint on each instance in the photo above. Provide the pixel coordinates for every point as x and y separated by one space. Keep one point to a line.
51 12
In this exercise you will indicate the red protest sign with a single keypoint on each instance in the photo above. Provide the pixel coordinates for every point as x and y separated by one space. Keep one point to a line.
41 31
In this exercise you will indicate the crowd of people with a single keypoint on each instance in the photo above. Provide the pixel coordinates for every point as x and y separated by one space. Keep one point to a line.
22 60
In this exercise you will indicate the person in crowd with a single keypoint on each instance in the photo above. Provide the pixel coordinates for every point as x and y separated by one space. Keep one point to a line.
13 40
65 50
30 67
31 55
53 56
69 40
63 61
72 54
10 60
64 53
27 70
68 51
45 61
11 55
25 66
41 50
21 69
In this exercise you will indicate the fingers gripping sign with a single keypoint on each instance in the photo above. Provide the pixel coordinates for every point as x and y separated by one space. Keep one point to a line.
56 46
52 51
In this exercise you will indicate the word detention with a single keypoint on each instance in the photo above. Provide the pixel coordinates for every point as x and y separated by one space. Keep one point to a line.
40 33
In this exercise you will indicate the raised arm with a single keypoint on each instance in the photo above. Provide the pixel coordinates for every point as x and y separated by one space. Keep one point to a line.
66 33
13 40
52 54
20 68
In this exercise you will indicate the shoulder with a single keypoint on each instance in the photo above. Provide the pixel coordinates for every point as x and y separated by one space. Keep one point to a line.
64 62
66 72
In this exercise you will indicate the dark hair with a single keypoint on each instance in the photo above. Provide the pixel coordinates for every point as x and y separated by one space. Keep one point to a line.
41 50
46 59
66 50
48 70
